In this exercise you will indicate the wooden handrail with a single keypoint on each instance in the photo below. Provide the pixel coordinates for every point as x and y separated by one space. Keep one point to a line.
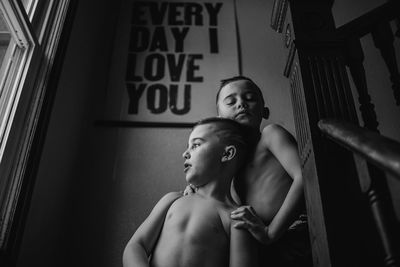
366 23
375 148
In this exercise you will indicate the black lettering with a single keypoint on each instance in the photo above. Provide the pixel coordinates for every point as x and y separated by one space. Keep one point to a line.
162 92
157 14
154 67
179 37
173 96
193 10
159 40
131 69
191 68
175 67
213 12
134 96
137 13
139 40
175 13
213 40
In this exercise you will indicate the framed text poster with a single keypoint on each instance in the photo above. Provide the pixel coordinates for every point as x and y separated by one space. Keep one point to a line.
168 59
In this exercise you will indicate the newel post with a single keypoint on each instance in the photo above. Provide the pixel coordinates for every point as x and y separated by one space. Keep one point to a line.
315 67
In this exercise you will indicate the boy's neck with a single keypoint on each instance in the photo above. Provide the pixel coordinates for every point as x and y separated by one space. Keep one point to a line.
254 135
219 191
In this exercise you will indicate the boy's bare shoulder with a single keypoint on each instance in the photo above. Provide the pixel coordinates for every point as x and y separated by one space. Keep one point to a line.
170 197
274 128
274 132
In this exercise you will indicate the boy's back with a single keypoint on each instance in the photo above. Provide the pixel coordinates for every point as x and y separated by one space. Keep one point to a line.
195 233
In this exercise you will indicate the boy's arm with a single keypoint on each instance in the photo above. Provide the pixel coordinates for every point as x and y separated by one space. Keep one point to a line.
243 249
284 147
282 144
142 242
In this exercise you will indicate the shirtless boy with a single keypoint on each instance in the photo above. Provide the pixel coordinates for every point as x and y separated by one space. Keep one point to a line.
196 230
271 183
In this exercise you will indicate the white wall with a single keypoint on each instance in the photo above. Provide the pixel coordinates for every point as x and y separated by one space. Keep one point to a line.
264 59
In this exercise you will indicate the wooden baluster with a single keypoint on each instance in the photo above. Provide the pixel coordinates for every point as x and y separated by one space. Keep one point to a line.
377 190
374 185
355 57
378 150
383 40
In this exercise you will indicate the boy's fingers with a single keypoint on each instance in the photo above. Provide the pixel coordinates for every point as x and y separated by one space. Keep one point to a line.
243 216
238 216
253 212
241 209
237 210
189 190
241 225
243 222
192 187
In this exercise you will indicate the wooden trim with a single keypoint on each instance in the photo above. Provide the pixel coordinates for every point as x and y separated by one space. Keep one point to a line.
278 15
140 124
367 22
289 60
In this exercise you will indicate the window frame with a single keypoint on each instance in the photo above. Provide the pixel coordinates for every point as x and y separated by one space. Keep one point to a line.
42 31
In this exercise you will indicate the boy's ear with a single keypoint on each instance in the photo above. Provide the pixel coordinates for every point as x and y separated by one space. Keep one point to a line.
265 114
229 153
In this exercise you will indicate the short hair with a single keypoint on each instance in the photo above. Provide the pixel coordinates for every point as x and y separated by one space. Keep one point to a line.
224 82
230 132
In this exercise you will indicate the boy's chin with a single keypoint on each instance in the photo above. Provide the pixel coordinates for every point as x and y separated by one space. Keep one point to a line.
190 180
248 122
194 182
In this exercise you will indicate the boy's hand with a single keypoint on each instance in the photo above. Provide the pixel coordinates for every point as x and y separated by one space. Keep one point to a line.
190 189
248 219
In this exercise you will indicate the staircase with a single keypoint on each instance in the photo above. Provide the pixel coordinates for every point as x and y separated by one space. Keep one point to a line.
351 218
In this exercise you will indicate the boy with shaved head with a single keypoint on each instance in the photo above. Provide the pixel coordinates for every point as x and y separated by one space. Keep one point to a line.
196 230
270 186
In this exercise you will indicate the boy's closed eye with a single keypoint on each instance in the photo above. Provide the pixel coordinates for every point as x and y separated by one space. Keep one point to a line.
250 97
229 101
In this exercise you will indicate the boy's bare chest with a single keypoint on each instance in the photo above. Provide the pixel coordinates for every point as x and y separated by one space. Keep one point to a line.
261 166
192 235
195 219
263 183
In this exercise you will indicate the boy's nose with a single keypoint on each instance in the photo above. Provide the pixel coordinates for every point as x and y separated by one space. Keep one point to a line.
186 155
242 104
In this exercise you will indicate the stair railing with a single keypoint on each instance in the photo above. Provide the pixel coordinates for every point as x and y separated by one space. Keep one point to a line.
383 153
